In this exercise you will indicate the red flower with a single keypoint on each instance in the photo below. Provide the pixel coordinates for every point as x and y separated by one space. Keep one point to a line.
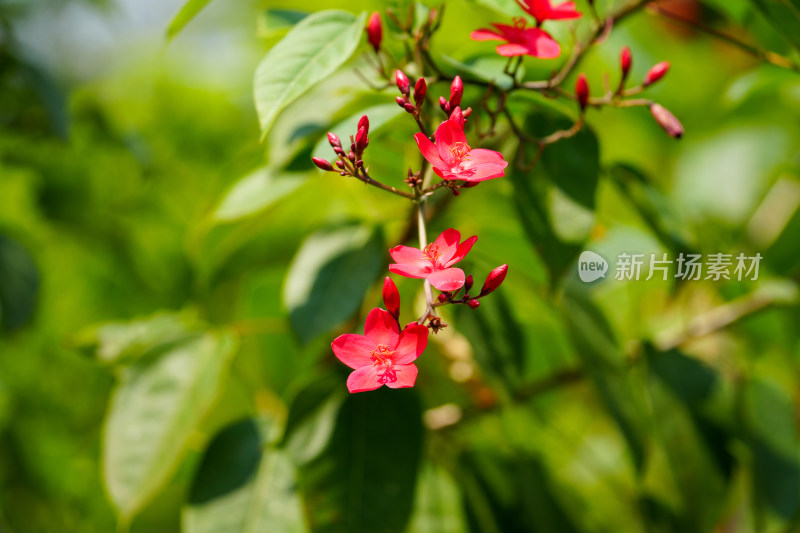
383 355
542 10
453 159
521 41
434 263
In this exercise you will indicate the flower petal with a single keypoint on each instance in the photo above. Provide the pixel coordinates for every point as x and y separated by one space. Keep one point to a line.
542 44
382 328
480 156
406 377
412 270
448 279
413 341
406 254
363 379
353 350
446 245
462 250
447 135
485 35
512 49
429 151
484 172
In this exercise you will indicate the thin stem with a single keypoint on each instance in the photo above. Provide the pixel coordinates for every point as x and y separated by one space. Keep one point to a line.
363 176
423 242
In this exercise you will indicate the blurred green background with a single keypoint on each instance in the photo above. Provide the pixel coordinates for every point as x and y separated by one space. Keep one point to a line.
169 287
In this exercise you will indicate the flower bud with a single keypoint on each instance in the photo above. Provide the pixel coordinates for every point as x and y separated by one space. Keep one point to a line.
582 91
409 107
374 31
334 140
338 150
322 164
361 139
466 113
442 297
364 123
339 164
625 60
400 101
444 104
391 297
456 91
494 279
473 304
667 120
656 73
457 115
468 283
420 89
402 82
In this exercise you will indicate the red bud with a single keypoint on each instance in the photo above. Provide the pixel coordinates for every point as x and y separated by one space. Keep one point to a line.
473 304
667 120
391 297
625 60
442 297
402 82
361 139
456 91
374 31
323 164
409 107
582 91
468 283
400 101
656 73
334 140
444 104
494 279
457 115
364 123
420 89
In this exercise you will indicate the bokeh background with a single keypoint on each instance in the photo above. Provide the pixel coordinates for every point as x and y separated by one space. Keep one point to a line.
170 285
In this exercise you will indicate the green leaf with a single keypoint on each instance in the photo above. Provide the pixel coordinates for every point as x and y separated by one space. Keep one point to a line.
124 342
312 419
574 166
229 462
311 51
437 508
267 503
189 10
255 192
771 425
784 15
364 482
155 408
19 285
530 198
329 277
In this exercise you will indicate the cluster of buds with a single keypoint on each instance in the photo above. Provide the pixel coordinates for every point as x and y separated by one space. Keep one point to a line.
349 163
456 92
404 101
493 281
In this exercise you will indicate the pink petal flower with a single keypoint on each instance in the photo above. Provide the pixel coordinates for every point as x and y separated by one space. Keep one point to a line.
440 255
454 159
520 40
382 356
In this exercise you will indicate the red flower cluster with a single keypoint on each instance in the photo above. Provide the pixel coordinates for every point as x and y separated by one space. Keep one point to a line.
529 41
